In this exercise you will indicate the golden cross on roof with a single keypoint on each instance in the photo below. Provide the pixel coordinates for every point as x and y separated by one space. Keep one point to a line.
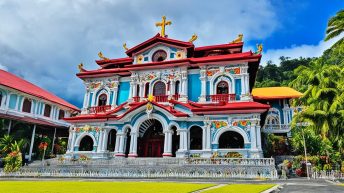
162 24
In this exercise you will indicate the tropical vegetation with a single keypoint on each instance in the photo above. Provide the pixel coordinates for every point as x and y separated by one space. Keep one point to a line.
321 121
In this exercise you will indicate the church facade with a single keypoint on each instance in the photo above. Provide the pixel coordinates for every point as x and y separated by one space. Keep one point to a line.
169 98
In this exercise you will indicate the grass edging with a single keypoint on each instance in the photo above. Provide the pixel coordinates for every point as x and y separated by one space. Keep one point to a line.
271 189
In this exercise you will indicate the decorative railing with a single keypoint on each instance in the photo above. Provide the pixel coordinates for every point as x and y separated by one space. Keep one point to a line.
161 98
276 128
328 175
175 96
136 99
99 109
156 168
221 97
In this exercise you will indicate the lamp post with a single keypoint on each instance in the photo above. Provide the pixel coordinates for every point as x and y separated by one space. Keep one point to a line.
304 146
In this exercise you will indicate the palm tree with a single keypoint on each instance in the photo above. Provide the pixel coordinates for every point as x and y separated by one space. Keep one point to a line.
5 144
335 27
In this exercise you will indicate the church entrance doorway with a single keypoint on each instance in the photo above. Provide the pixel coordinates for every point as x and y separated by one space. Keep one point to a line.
151 140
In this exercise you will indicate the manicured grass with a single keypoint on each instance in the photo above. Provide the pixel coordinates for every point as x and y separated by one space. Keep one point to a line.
242 188
97 187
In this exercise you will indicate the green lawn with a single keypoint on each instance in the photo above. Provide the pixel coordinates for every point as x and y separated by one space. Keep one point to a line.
97 187
242 188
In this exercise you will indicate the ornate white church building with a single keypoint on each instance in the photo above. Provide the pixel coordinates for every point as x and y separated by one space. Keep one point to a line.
169 98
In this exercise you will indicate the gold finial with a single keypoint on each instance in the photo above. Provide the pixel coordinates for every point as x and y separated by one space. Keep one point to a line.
259 48
81 67
100 54
193 38
150 98
125 46
163 24
238 39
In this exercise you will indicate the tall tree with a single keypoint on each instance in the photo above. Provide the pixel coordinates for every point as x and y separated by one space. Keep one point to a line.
335 27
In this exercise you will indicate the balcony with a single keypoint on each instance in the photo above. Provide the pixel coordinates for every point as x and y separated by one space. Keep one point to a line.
221 97
276 128
161 98
99 109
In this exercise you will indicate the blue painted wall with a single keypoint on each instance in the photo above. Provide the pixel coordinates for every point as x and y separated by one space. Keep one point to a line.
13 101
111 97
237 89
276 104
123 92
194 87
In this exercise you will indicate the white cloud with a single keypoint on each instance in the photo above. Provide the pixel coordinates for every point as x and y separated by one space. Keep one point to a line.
2 67
43 41
297 51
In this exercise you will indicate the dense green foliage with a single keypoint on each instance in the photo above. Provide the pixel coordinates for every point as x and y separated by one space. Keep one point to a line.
279 75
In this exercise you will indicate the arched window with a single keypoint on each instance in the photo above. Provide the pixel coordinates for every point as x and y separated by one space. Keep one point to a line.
61 114
159 56
86 144
272 120
111 143
47 110
159 89
222 87
230 140
102 100
195 138
26 106
176 89
147 89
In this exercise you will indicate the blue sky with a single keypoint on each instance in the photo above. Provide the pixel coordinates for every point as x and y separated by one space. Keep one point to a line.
43 41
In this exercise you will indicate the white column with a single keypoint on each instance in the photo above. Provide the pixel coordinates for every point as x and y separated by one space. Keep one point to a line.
121 143
32 141
253 137
203 78
53 143
204 139
73 141
142 88
9 127
259 139
117 143
167 144
208 145
133 145
131 90
100 141
85 99
114 98
105 140
69 140
183 140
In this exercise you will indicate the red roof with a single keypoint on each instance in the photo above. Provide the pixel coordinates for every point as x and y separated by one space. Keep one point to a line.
245 56
106 63
10 80
31 120
219 46
132 106
223 107
155 39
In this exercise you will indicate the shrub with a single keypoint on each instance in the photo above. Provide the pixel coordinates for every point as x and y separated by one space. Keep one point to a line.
13 161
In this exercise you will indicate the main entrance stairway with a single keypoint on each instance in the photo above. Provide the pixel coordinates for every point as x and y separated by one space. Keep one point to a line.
243 168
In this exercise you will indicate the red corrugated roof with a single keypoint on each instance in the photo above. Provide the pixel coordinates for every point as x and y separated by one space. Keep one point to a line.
12 81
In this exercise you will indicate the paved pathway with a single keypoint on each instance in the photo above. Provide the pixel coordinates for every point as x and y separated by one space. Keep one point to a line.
312 186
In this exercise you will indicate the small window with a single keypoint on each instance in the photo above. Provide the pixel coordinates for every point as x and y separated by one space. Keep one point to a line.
26 106
222 87
159 56
47 110
102 100
61 114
